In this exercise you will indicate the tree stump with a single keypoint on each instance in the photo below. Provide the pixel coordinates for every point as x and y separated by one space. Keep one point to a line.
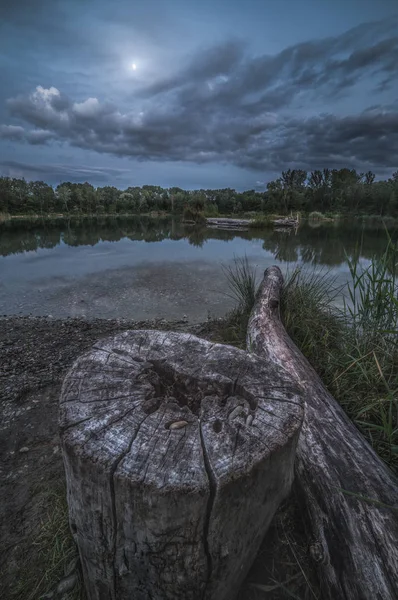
177 454
347 494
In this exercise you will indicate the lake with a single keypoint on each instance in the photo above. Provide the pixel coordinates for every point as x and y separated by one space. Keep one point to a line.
143 268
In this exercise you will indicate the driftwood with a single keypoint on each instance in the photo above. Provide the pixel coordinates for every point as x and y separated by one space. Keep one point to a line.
243 224
354 541
288 222
226 223
177 454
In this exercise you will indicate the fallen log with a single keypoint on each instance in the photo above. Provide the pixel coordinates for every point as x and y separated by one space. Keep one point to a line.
177 454
226 223
286 222
353 541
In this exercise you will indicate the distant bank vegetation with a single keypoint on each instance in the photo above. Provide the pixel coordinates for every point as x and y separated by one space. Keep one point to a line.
319 194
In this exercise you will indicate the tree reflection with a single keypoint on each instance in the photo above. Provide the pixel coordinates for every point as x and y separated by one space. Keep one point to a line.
327 244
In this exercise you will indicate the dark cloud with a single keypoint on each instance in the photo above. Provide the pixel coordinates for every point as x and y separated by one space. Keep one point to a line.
296 69
365 141
226 106
18 133
61 172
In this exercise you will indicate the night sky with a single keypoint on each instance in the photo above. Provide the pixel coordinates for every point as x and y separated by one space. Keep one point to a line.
198 94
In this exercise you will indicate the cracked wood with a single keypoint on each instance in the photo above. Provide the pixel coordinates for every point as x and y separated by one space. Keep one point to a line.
354 542
177 454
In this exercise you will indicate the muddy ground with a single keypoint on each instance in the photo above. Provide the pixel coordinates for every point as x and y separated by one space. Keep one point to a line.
35 354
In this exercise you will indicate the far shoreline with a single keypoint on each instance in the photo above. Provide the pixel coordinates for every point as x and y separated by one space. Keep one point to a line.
322 218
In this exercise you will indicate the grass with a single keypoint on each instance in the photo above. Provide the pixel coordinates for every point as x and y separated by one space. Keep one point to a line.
367 381
242 283
354 349
54 552
309 315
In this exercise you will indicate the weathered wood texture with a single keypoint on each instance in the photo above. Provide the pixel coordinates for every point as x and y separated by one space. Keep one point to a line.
288 222
244 224
354 542
229 224
177 453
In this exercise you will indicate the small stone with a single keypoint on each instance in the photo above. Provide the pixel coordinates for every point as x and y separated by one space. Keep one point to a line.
24 449
178 424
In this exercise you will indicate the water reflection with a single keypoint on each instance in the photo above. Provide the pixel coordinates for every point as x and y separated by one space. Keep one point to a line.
317 244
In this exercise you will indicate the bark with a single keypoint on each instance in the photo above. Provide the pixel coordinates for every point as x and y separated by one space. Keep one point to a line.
177 454
354 542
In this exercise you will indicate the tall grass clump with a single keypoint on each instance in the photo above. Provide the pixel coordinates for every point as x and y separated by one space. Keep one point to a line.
54 553
367 385
310 317
354 349
242 284
372 294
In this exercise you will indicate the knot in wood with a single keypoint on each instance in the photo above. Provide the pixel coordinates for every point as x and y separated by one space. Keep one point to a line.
177 453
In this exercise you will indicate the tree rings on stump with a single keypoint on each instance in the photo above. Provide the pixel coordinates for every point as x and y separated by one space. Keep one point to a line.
177 454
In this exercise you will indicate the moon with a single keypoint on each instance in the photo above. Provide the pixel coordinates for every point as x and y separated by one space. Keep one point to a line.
134 66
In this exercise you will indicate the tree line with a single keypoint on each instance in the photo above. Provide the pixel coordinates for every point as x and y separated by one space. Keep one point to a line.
342 191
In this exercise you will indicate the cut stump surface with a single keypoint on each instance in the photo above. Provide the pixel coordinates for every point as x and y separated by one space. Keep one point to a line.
177 454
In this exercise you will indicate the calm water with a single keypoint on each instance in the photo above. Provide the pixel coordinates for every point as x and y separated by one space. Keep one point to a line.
143 268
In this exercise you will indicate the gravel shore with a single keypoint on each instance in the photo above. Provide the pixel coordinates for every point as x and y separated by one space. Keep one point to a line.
35 353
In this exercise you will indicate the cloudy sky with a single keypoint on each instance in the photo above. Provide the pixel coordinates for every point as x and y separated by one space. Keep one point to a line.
209 93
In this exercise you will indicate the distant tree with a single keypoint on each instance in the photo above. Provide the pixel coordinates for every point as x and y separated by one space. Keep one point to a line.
63 194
